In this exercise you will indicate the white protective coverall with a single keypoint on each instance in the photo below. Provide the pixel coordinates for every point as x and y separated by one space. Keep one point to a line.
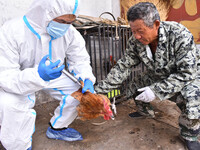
23 43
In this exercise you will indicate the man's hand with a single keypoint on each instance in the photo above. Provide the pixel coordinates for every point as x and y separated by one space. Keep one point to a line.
51 71
147 95
88 85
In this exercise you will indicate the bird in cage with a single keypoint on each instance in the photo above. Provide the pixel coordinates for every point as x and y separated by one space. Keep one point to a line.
109 64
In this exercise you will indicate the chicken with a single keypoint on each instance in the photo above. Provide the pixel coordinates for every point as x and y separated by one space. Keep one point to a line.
92 105
109 64
113 61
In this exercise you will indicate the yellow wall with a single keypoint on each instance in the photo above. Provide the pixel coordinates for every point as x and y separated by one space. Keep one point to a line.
187 12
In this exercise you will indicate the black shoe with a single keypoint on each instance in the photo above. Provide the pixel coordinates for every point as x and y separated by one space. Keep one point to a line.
135 115
192 145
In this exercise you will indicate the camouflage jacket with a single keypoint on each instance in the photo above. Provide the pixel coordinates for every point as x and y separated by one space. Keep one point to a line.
175 64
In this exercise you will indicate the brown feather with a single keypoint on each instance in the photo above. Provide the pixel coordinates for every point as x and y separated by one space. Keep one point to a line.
91 105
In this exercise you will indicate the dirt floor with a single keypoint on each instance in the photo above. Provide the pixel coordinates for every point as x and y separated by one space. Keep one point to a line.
123 133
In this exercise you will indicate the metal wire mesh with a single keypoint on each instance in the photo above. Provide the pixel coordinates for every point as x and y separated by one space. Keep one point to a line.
106 44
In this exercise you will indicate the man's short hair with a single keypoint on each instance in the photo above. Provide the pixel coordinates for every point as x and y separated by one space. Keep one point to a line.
145 11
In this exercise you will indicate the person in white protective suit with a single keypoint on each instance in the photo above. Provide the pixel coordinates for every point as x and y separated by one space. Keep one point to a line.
25 43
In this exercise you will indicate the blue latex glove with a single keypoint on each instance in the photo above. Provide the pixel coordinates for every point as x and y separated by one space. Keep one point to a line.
51 71
30 148
88 85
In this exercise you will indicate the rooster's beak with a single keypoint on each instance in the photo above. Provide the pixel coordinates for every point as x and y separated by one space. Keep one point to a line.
112 117
109 116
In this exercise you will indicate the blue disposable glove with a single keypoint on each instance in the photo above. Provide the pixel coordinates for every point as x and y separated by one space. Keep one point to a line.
88 85
51 71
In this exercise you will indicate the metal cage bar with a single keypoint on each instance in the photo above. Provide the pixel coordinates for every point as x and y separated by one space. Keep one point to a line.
106 44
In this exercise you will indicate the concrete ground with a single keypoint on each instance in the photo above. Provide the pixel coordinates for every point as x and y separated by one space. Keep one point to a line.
123 133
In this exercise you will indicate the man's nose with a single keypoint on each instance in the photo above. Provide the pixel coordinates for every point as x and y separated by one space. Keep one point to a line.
137 36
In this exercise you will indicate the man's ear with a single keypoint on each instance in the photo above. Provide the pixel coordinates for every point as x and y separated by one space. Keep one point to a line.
157 24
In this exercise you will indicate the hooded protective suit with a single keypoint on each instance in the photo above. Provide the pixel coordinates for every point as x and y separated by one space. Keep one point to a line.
24 41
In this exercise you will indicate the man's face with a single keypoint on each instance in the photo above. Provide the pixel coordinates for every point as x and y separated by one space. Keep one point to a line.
66 19
144 34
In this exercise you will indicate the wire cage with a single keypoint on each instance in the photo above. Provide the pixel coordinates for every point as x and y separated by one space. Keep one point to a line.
106 44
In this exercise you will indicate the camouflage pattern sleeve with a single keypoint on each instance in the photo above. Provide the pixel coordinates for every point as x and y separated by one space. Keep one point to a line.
186 61
120 71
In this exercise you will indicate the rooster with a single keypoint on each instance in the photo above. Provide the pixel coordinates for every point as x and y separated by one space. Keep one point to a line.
92 105
109 64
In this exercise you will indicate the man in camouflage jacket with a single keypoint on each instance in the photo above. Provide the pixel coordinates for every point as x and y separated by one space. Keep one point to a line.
172 62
